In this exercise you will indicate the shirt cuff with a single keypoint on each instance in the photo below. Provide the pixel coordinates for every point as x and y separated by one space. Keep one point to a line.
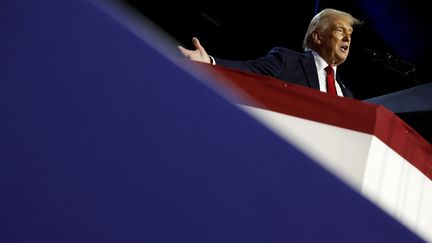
212 60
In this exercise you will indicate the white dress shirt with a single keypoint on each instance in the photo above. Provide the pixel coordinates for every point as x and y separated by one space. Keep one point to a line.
320 64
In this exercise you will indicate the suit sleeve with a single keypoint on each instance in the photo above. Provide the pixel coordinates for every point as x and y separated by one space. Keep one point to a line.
270 65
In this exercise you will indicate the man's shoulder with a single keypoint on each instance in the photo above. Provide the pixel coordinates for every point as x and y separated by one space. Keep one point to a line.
283 50
289 54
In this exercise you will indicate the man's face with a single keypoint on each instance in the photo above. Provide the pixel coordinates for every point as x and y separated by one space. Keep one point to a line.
335 41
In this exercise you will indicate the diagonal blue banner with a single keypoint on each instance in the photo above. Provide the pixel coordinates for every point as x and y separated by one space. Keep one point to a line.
103 139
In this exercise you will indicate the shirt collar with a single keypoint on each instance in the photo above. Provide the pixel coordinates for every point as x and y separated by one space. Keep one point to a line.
320 63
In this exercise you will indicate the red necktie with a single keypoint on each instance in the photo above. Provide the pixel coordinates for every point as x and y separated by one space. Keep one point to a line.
331 86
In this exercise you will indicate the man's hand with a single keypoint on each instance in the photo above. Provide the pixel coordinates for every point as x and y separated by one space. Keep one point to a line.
199 54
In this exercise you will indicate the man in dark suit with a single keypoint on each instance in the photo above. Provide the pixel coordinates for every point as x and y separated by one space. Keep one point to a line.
326 44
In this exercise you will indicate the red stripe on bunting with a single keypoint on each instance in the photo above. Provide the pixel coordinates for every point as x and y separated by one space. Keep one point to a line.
291 99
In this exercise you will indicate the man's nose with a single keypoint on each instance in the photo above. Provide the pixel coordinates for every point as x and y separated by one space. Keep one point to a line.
347 37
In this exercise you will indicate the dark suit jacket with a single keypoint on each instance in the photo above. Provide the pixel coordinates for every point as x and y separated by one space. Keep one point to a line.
286 65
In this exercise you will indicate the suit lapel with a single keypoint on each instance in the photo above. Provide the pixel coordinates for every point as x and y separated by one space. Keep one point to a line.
311 74
310 70
346 92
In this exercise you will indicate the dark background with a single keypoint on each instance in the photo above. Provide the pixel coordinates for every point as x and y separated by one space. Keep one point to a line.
389 51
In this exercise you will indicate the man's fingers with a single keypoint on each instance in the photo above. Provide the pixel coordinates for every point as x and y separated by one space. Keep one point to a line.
184 51
196 43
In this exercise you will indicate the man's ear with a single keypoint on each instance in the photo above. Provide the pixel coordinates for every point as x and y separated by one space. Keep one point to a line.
316 38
